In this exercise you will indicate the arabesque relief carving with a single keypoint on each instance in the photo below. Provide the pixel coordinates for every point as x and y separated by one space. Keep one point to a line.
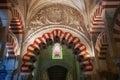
60 15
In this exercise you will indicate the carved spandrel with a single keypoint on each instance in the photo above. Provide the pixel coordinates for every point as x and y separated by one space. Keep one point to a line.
61 15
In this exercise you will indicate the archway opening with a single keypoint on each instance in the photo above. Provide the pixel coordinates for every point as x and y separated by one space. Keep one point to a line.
57 73
46 60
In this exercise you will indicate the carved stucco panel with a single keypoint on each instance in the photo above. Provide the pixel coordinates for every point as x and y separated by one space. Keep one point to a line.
57 14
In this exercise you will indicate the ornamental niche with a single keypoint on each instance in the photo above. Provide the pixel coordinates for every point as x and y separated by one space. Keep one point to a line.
58 15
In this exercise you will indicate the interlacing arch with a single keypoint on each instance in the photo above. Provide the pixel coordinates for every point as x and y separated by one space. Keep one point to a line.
116 28
11 46
56 36
102 45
